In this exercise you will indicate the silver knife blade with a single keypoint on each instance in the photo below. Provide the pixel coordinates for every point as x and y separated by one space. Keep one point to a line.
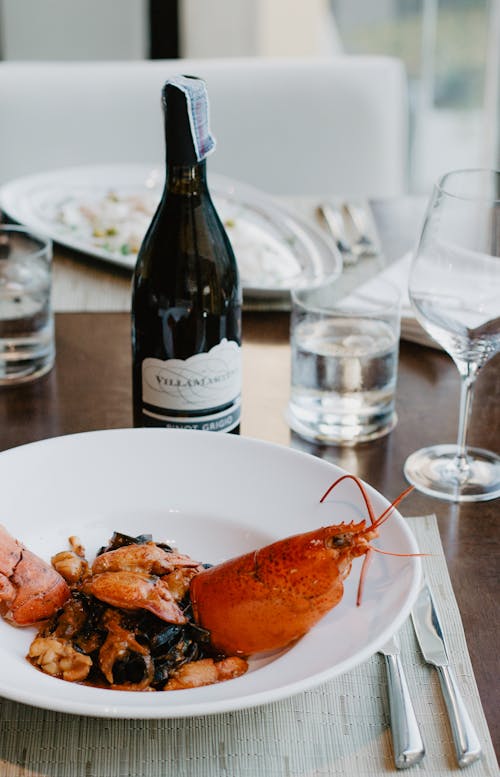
428 629
431 640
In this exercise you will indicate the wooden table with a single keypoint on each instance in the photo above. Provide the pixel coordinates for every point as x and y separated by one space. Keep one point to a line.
90 388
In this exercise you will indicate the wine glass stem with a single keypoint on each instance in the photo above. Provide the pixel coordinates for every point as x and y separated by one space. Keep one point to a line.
466 393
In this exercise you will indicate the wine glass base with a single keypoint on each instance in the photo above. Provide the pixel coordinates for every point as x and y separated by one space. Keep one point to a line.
433 471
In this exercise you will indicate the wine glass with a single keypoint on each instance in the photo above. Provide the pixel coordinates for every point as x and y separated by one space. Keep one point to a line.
454 289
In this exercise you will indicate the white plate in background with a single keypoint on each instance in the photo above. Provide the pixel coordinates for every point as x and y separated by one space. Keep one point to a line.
276 250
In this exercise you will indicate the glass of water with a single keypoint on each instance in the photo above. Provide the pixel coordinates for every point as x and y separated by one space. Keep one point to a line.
344 362
454 288
27 348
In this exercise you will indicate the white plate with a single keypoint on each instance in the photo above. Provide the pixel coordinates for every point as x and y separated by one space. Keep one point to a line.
275 249
214 496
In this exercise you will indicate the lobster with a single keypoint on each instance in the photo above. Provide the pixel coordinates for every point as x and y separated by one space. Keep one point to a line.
30 589
261 601
268 598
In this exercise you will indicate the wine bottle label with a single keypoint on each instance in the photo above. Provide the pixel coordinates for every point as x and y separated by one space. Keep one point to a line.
200 392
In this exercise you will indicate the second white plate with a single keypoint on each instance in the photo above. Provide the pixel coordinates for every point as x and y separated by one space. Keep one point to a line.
104 212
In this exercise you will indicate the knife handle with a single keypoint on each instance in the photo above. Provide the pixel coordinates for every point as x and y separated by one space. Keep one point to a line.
406 739
464 735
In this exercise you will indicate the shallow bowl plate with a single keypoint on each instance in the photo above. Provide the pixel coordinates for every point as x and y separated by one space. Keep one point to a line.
213 496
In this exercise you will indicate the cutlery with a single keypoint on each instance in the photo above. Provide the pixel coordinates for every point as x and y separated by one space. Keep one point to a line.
362 244
406 738
333 219
431 640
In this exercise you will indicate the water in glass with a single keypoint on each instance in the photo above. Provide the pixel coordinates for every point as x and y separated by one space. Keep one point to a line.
343 378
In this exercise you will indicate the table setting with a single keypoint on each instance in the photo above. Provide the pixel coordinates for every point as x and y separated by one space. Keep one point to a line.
331 703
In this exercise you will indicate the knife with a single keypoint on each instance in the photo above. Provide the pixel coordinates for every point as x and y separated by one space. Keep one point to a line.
406 739
430 638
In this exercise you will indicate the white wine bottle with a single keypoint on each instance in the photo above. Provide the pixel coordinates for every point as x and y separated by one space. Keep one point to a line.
186 301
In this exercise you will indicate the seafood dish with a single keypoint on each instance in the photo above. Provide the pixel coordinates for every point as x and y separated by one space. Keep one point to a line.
123 622
143 616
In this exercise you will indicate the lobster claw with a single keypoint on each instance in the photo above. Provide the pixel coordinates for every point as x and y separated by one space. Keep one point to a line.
30 589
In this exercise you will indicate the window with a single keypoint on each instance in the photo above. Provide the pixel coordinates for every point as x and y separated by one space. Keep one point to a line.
450 49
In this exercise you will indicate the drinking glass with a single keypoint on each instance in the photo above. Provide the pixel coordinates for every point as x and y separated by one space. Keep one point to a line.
27 348
454 289
344 362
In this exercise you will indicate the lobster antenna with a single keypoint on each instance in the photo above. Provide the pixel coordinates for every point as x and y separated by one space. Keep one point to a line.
401 555
375 523
361 488
388 511
366 562
362 576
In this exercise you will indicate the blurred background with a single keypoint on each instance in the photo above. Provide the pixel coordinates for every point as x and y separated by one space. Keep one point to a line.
450 49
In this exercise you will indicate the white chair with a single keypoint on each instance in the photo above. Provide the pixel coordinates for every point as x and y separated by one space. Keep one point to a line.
336 126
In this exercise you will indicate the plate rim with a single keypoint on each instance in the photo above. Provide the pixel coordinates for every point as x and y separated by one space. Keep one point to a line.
217 706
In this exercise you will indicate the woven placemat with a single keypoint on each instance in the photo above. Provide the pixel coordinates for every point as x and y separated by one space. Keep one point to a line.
339 728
